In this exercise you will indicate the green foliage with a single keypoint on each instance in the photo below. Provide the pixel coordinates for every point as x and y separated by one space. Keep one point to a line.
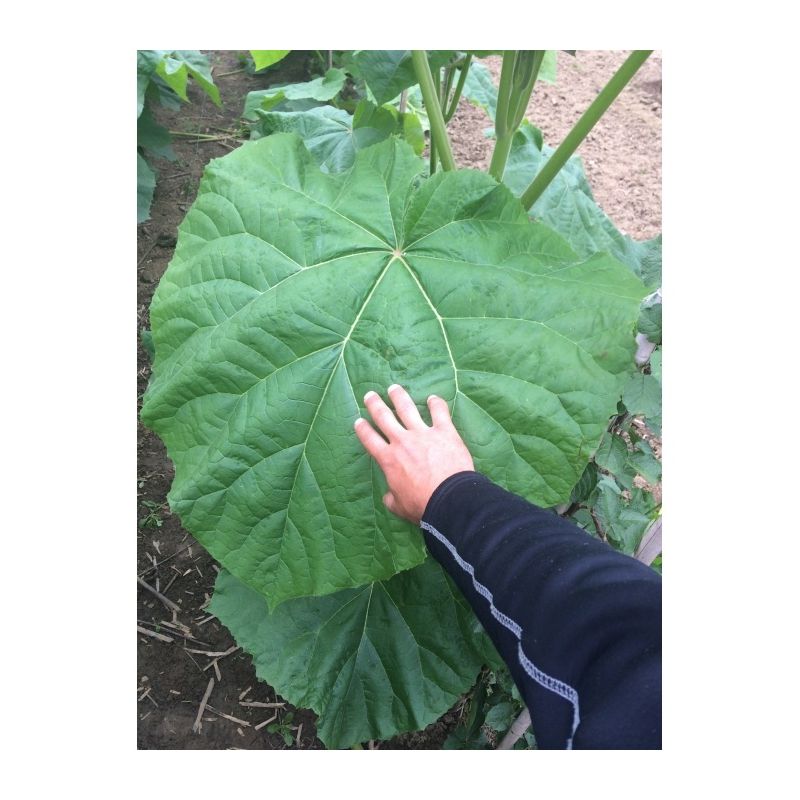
568 206
320 262
320 89
480 90
145 186
388 72
283 728
163 75
387 657
642 393
152 519
268 334
334 137
266 58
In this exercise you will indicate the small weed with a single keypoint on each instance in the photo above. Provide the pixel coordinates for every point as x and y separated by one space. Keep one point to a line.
153 517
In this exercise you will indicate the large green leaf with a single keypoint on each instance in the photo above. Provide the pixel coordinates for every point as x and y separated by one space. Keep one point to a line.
333 137
568 207
372 662
388 72
293 292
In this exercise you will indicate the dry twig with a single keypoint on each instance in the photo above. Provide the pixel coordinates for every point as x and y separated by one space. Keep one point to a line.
159 636
228 716
198 722
165 600
266 722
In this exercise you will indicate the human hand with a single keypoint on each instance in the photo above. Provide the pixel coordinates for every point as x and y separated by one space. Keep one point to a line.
417 458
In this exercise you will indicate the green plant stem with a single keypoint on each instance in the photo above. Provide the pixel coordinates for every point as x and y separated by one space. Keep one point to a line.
429 96
504 91
437 86
525 92
583 126
459 88
447 84
209 137
516 95
503 137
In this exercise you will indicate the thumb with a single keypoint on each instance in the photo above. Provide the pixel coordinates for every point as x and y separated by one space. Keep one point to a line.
390 502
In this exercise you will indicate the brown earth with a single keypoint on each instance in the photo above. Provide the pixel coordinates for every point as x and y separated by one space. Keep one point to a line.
623 162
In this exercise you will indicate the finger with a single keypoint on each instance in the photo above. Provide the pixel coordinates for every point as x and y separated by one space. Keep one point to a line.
383 416
440 413
406 408
373 442
390 502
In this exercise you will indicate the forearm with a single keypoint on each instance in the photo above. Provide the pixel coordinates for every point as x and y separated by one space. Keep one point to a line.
577 623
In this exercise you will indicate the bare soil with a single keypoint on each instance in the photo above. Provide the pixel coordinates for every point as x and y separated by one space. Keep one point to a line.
623 162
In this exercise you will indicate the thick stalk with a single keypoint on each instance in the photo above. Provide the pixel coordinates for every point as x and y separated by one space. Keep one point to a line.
432 155
504 91
526 64
526 91
431 100
583 126
459 88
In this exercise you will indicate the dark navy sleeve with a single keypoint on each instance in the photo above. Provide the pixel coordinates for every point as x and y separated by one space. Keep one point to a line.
578 623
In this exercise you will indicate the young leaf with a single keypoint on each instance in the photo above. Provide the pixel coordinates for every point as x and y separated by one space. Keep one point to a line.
293 292
372 662
266 58
500 716
175 70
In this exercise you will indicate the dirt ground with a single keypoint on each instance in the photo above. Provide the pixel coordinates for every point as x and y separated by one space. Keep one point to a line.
180 646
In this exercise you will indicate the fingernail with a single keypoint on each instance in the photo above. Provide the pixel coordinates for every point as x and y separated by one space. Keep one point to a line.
394 386
355 424
433 397
368 395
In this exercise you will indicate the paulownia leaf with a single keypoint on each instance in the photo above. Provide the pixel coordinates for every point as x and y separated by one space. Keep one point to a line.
372 662
388 72
568 207
326 87
175 70
145 186
266 58
293 292
153 137
480 90
333 137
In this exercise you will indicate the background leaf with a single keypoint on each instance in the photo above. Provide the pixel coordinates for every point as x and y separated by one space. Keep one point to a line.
319 89
266 58
568 207
388 72
145 186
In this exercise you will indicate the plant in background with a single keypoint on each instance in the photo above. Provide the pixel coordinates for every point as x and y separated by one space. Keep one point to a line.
320 262
162 76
